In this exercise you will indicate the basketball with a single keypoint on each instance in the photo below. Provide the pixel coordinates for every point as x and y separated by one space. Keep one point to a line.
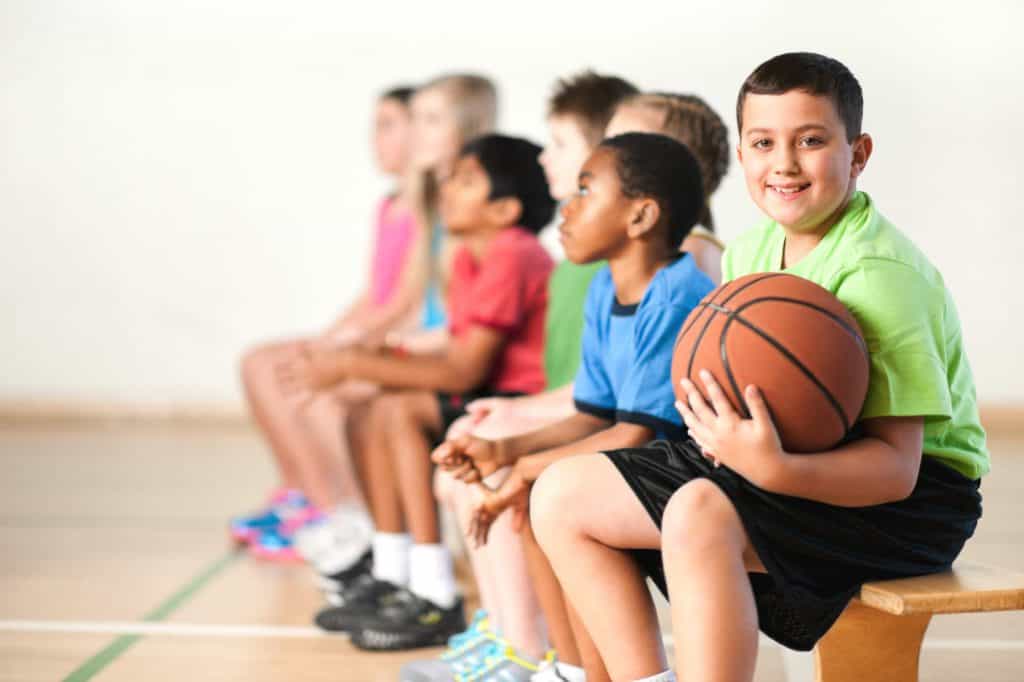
792 339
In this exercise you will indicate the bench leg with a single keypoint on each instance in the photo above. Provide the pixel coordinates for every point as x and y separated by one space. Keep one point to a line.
868 645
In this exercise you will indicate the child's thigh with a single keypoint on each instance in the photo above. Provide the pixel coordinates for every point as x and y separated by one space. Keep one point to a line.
587 495
405 409
264 356
506 425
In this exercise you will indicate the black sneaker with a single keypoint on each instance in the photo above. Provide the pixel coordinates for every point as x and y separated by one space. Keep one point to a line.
336 582
409 622
366 596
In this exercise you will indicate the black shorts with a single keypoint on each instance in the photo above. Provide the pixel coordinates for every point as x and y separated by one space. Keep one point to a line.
453 406
817 555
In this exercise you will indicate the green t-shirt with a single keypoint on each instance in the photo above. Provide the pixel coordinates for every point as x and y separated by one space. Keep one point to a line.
909 321
563 326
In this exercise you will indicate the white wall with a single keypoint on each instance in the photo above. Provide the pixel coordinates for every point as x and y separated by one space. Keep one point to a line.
179 180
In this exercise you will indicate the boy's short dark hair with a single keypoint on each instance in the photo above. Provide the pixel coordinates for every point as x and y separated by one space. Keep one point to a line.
400 93
812 73
663 169
592 99
513 168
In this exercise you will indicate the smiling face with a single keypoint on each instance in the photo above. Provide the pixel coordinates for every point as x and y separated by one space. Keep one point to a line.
595 220
800 168
563 157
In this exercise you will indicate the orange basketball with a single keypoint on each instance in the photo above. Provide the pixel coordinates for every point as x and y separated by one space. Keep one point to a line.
793 340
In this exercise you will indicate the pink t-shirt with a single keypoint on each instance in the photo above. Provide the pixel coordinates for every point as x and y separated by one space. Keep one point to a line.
506 290
394 236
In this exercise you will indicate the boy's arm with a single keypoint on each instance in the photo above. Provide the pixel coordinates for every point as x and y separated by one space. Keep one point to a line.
467 452
878 468
464 366
620 435
554 404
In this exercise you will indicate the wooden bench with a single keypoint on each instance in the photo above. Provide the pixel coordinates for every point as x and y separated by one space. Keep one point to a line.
879 635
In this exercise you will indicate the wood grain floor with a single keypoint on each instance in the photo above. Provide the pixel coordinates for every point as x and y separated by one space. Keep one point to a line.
113 554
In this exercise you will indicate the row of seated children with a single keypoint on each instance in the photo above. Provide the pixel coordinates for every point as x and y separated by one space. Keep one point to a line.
738 533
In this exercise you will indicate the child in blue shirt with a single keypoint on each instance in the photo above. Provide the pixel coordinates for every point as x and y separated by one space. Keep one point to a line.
639 196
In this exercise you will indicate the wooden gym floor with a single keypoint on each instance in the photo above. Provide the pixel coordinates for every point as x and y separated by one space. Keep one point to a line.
114 566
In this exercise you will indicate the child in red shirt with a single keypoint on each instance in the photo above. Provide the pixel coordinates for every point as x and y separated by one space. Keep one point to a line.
495 202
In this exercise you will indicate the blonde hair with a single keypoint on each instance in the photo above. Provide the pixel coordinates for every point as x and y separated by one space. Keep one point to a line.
690 120
474 99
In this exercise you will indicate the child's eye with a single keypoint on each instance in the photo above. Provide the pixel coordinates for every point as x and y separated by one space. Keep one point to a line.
812 141
582 191
762 143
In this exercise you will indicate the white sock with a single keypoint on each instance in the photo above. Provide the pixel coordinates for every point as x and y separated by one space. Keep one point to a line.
667 676
391 557
431 575
572 673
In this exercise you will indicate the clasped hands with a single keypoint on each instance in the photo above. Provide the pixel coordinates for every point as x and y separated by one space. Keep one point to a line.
471 459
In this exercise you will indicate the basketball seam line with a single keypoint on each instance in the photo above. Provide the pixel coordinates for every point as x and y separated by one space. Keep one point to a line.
792 358
704 306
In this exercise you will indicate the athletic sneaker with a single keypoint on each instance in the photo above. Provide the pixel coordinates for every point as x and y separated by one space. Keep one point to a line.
550 670
335 583
361 600
409 622
282 503
278 544
502 663
347 525
465 652
274 545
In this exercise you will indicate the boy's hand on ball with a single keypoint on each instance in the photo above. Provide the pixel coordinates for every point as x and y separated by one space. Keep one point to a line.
750 447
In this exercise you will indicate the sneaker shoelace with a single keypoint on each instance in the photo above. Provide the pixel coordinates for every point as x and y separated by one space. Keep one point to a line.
551 662
462 642
497 653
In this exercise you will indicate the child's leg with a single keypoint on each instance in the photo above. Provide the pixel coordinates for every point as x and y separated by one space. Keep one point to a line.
707 556
519 613
583 512
552 600
593 664
413 421
368 432
458 497
273 414
329 469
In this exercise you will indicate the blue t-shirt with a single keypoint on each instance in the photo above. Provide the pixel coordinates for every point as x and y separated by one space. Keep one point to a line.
434 315
625 375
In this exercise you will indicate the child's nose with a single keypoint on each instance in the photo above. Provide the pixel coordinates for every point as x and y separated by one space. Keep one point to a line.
566 210
785 160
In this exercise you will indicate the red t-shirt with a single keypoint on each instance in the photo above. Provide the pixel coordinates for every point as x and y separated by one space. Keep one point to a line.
507 290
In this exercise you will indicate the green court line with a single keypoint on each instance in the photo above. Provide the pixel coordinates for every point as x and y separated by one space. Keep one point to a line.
112 651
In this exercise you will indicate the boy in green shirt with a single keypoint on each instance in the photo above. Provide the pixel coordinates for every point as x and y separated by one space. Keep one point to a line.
742 534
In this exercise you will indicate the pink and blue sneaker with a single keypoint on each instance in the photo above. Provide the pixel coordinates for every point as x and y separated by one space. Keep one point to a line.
282 504
278 543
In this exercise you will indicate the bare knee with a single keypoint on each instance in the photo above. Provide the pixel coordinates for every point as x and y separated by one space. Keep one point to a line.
700 518
444 488
251 364
559 490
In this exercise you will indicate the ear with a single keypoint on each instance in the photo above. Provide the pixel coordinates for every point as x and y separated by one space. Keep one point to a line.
643 217
505 211
739 153
862 148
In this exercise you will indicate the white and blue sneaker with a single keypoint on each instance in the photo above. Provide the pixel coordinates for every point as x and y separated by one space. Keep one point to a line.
465 651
